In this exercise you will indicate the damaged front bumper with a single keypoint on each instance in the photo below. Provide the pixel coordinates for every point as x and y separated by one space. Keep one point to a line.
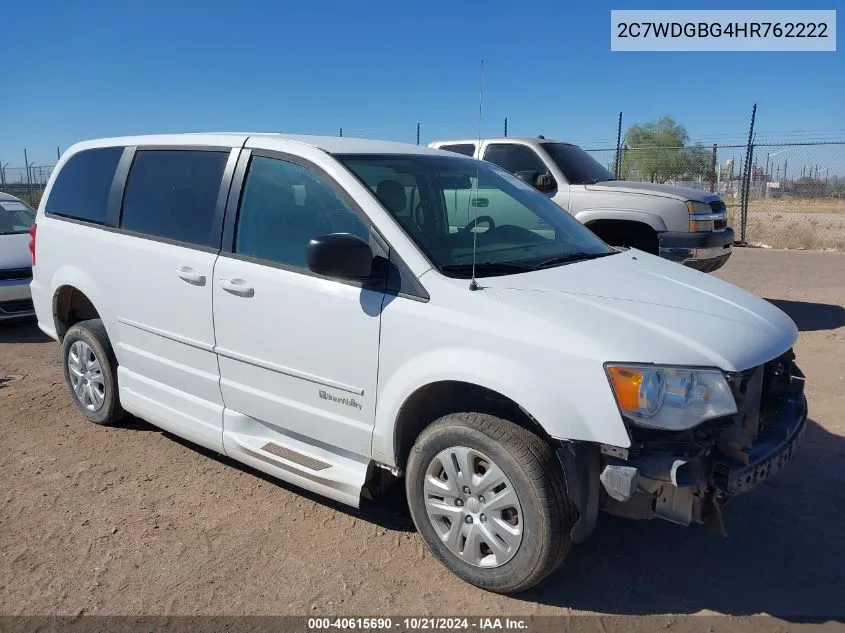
688 476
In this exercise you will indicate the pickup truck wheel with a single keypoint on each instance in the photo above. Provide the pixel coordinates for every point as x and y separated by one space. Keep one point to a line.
90 370
644 239
630 234
489 499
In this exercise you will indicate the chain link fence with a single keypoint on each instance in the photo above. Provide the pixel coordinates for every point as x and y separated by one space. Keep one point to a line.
795 190
25 183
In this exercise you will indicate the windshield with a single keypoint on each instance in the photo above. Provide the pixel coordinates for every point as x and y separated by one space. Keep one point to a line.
15 217
578 167
447 203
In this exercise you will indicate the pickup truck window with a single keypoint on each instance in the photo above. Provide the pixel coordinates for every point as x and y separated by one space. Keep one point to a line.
577 166
465 205
514 158
467 149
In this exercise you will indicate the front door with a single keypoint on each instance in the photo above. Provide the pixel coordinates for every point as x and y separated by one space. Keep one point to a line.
517 158
298 352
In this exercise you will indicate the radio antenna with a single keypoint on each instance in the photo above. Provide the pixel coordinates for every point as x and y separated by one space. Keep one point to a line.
473 284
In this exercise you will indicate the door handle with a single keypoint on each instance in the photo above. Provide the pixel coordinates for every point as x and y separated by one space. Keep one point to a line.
191 276
237 287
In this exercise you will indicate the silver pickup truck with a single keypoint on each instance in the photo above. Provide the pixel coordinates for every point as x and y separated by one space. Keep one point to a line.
685 225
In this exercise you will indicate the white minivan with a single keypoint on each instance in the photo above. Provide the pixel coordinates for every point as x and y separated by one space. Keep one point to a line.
340 312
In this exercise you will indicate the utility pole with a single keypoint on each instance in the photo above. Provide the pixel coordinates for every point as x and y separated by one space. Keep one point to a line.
418 132
713 174
341 132
506 126
618 148
28 175
746 185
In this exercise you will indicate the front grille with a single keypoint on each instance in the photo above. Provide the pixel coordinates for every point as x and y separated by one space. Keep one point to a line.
719 207
16 273
18 306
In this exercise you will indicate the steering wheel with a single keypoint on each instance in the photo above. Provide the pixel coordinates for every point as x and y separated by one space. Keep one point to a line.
486 219
417 216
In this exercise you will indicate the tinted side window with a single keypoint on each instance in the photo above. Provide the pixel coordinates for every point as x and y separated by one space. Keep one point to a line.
467 149
284 205
173 194
514 158
81 189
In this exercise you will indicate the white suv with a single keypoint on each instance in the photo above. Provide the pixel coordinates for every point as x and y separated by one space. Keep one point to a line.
308 306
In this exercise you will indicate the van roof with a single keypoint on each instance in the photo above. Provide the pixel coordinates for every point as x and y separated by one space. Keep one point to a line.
330 144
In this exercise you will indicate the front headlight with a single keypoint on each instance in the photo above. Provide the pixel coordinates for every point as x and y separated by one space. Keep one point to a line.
670 398
701 216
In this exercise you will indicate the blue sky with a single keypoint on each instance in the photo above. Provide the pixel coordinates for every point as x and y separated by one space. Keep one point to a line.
90 69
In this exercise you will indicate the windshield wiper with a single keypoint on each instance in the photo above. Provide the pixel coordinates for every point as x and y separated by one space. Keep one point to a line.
569 258
482 268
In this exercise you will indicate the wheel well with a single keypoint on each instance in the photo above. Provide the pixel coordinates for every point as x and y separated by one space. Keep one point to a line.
435 400
626 233
70 306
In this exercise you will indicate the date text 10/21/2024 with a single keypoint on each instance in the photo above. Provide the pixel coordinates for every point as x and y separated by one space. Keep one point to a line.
418 624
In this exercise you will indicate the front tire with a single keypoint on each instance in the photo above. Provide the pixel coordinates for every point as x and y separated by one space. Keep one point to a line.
489 499
90 370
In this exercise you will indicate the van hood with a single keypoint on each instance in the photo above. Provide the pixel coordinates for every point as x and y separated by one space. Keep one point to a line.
641 308
654 189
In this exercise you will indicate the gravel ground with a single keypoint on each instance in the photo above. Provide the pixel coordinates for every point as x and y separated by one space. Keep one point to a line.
131 520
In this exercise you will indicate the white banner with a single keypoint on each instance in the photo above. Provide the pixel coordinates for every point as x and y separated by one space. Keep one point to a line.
751 30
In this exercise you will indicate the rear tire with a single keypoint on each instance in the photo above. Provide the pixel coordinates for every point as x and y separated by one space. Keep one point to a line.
503 537
90 370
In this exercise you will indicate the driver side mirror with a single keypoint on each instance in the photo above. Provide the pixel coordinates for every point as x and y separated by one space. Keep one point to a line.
544 182
341 255
541 182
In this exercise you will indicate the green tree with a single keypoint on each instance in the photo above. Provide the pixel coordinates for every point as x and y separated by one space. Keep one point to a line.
657 151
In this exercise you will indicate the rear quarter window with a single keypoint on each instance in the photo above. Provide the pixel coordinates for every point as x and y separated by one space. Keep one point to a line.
81 189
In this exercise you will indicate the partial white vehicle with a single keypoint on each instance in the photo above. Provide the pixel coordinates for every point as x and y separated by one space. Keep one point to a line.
16 220
685 225
323 310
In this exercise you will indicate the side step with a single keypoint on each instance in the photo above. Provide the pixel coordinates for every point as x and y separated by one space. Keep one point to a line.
295 459
292 456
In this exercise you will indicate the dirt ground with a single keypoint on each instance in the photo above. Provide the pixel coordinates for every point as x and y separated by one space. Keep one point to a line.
130 520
